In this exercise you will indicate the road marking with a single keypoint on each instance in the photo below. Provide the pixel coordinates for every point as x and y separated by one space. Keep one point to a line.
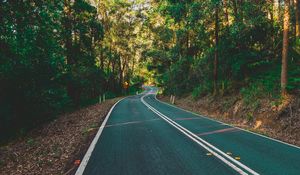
190 118
219 131
208 118
131 122
203 143
90 150
204 146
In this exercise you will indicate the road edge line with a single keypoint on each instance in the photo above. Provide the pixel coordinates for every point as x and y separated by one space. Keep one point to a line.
90 150
267 137
205 144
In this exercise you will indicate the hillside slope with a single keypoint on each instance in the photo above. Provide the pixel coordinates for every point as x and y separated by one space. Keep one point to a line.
280 121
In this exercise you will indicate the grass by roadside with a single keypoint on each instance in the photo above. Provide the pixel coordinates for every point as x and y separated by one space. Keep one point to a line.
280 121
53 148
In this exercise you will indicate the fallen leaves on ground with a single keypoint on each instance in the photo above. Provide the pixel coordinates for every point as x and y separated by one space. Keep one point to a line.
53 148
282 124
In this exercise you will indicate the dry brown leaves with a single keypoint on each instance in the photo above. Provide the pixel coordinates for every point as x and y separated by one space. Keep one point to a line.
53 148
283 124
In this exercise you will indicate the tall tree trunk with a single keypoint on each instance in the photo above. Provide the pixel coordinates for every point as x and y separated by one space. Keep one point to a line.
68 32
101 60
285 47
188 43
216 49
279 11
271 3
293 8
297 18
120 72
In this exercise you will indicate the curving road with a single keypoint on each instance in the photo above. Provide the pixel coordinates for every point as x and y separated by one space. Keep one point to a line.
142 136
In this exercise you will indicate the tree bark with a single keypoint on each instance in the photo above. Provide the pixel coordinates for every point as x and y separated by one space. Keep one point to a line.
216 49
297 19
271 3
102 60
285 47
279 11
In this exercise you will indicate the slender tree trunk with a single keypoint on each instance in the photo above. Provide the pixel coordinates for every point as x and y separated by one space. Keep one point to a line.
285 47
101 57
188 43
216 49
132 66
271 3
120 72
297 18
279 11
293 7
68 32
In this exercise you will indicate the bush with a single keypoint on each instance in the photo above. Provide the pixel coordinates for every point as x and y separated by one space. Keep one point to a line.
266 87
201 90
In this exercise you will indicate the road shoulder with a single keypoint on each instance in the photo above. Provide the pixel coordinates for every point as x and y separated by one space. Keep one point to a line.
267 129
53 148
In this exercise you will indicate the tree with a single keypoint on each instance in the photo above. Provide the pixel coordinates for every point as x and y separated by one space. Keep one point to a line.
297 14
285 47
216 48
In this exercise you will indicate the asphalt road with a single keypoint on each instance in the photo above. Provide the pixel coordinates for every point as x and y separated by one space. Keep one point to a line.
142 135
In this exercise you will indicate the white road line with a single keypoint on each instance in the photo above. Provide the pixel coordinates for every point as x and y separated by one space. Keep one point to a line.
229 124
205 147
202 143
89 152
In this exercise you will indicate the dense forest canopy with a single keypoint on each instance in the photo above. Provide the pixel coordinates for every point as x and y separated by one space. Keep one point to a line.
223 46
61 54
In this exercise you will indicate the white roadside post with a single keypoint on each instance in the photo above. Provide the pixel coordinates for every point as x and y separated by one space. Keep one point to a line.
100 98
104 97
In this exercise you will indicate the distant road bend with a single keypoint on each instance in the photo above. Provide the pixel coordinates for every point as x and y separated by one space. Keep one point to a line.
142 135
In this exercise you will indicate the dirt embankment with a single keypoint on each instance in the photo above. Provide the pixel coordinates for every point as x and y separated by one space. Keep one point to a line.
280 121
53 148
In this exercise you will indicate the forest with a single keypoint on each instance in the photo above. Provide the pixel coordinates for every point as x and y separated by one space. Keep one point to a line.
60 55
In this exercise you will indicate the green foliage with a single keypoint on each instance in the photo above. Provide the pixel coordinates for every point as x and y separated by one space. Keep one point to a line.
50 54
266 86
249 49
57 55
250 117
201 90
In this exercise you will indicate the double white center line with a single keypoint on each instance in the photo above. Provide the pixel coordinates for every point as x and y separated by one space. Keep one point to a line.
234 164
